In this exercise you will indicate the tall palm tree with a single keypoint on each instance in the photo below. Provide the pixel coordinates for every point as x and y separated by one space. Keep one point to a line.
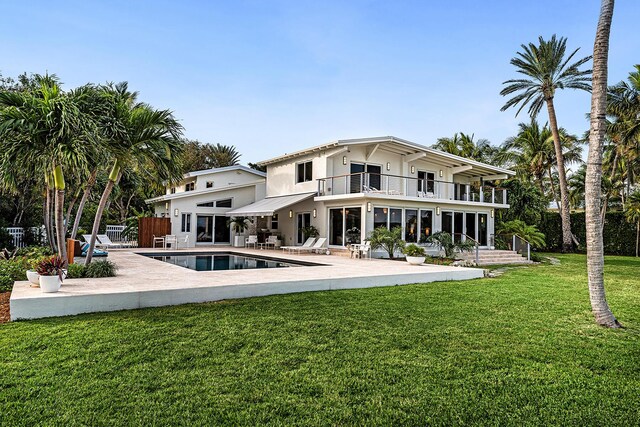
464 145
547 70
220 156
141 137
597 129
45 131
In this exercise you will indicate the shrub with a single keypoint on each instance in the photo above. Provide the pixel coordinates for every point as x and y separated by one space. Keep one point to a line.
413 250
6 283
389 240
76 271
528 232
446 243
35 251
15 269
104 268
51 266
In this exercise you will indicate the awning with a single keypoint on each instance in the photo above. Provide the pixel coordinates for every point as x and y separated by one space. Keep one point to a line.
269 205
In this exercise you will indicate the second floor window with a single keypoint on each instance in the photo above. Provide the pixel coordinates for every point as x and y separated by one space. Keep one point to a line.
304 172
173 190
190 186
209 184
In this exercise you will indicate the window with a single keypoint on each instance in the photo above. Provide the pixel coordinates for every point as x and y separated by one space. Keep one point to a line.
380 217
209 184
426 224
274 221
305 172
173 190
395 219
411 225
426 182
226 203
190 186
186 223
205 205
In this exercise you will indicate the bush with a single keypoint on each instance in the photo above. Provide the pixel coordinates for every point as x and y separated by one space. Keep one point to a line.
6 283
448 245
14 269
103 268
413 250
389 240
619 235
35 251
76 271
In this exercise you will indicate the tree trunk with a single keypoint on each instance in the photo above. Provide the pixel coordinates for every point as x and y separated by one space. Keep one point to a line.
595 249
67 217
562 177
553 189
47 219
637 238
85 196
61 234
113 177
612 175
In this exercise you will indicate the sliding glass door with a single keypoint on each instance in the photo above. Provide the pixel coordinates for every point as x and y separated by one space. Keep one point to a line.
345 226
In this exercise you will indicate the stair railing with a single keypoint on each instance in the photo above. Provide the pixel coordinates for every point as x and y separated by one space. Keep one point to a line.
522 240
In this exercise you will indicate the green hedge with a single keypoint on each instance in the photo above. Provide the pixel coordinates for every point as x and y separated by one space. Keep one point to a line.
619 235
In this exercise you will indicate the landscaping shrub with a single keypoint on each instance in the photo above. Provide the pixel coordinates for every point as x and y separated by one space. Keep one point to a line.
619 235
6 283
76 271
103 268
14 269
35 251
413 250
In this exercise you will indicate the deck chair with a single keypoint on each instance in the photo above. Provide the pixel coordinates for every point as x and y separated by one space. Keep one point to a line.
305 245
318 246
105 240
271 242
251 241
98 244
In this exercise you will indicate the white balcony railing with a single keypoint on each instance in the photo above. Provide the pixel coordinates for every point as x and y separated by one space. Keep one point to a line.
395 185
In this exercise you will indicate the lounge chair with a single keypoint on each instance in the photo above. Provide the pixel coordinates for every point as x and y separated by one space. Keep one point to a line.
305 245
106 241
84 247
318 246
271 241
98 244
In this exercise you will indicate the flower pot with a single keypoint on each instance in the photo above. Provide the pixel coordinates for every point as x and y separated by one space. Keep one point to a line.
49 284
33 277
415 260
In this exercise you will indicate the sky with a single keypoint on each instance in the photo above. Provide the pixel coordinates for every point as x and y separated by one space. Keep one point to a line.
271 77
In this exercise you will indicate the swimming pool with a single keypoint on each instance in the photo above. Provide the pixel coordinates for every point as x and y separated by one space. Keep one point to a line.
215 261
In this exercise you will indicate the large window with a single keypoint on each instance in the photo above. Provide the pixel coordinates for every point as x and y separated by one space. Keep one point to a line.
190 186
426 182
345 226
274 221
359 180
380 217
186 223
411 225
304 172
224 203
426 224
395 218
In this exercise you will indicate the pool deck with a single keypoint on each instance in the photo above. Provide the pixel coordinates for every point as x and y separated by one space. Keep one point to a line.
144 282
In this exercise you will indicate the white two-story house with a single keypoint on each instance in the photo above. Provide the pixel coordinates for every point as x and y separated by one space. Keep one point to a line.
199 204
347 188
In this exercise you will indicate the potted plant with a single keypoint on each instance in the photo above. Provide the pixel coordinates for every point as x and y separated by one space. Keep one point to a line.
51 270
414 254
239 225
310 231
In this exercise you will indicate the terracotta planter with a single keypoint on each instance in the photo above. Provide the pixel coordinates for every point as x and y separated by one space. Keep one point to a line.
416 260
50 284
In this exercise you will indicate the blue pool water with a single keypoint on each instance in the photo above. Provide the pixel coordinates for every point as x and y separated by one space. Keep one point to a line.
223 261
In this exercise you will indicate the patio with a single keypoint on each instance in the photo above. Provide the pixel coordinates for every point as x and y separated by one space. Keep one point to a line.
144 282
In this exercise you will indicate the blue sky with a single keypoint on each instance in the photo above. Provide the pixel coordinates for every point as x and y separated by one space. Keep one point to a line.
276 76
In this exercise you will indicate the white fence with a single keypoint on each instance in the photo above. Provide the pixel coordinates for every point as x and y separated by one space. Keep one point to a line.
17 233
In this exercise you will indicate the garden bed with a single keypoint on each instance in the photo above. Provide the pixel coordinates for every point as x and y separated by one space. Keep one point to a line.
4 307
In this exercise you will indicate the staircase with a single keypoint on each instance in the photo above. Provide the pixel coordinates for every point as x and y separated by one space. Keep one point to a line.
494 257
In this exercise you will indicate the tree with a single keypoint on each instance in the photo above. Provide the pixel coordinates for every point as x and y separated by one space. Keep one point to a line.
527 202
224 155
446 242
199 156
389 240
632 214
138 137
530 233
597 129
547 70
464 145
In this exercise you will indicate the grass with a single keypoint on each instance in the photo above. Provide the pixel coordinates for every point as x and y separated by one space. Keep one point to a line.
520 349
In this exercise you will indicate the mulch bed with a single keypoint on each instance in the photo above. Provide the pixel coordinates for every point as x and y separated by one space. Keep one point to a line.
4 307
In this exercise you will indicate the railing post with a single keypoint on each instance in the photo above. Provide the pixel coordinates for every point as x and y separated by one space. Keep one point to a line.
386 178
528 251
477 253
513 245
493 194
481 193
504 196
347 180
467 192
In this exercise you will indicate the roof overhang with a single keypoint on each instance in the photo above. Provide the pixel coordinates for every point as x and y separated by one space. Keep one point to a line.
270 205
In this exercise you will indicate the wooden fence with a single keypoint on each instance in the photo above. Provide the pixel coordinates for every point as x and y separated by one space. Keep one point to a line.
149 227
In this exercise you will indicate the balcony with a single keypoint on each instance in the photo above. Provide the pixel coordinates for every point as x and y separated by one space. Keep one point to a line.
395 185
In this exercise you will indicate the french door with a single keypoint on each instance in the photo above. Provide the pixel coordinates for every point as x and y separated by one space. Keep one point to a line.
371 179
345 225
303 220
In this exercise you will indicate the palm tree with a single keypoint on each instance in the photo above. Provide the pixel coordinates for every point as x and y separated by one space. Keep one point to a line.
464 145
220 156
547 70
45 131
598 127
138 137
632 214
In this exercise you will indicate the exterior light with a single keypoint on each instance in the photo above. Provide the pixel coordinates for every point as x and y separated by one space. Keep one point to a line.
344 160
176 212
166 206
388 166
441 173
368 206
437 210
315 213
413 170
493 212
290 213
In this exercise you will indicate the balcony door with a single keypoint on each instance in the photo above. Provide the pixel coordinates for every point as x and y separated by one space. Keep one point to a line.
371 179
482 229
303 221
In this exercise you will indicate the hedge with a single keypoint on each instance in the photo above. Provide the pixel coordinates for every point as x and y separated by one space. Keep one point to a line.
619 235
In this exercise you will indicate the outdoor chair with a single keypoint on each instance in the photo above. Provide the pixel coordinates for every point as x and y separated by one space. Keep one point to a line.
98 244
271 241
84 248
251 241
305 245
105 240
365 249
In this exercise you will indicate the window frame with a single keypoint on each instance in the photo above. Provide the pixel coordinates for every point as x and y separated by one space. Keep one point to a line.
304 171
185 226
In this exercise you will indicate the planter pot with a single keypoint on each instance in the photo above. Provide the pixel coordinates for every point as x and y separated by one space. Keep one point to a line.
33 277
415 260
238 241
49 284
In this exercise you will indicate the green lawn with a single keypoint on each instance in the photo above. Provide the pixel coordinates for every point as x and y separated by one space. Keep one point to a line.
518 349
